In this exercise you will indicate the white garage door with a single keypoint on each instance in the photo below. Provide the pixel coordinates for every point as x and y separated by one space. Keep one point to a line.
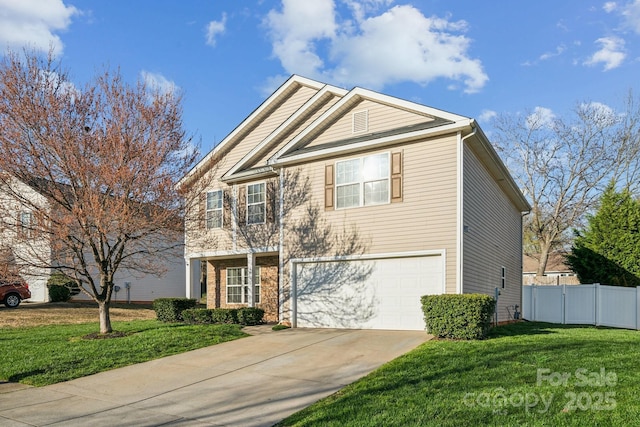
381 293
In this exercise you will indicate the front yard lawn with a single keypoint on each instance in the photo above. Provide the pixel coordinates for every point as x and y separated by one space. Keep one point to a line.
44 355
529 374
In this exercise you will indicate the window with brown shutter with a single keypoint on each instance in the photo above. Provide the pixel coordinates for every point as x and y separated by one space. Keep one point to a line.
396 177
242 205
328 187
271 199
226 210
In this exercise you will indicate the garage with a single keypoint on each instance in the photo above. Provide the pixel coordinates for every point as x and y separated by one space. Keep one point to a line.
365 293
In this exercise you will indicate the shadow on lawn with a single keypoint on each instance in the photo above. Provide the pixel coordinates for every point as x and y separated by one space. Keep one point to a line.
532 328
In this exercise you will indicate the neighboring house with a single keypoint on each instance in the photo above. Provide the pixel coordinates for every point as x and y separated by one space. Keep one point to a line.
336 208
556 273
20 243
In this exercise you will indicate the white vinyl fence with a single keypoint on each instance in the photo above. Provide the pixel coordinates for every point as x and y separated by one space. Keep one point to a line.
595 304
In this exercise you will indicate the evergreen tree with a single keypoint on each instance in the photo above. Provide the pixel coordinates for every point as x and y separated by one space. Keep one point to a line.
608 251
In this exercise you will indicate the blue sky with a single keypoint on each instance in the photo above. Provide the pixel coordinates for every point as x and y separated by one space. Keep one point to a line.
472 58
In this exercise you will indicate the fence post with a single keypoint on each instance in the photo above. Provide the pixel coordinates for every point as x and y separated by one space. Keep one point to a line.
637 309
598 301
564 304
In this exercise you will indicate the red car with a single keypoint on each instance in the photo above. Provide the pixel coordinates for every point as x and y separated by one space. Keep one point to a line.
12 292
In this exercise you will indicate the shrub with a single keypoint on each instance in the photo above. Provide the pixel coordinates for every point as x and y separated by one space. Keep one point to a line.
59 293
224 315
170 309
249 316
60 279
466 316
197 315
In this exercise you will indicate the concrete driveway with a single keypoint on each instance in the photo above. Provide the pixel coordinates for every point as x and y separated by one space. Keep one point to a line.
254 381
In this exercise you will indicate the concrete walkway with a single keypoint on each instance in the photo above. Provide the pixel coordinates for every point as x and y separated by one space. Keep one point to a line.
254 381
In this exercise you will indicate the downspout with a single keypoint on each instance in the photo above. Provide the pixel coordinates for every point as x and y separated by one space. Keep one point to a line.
281 294
460 189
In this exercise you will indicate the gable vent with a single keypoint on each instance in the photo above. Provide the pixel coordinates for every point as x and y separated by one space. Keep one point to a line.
360 121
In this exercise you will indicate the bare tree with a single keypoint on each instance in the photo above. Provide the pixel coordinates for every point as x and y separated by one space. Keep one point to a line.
564 164
103 160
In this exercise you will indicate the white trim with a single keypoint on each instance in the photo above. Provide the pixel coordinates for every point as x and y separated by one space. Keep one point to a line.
390 255
361 181
221 209
359 93
232 253
368 144
459 213
318 97
281 294
293 80
264 202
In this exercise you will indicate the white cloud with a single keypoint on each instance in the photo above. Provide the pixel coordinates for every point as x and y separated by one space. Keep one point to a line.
215 28
296 30
611 54
631 15
398 45
33 24
548 55
600 113
610 6
487 115
540 118
157 82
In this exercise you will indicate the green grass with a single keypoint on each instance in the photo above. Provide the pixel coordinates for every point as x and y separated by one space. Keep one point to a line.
460 383
50 354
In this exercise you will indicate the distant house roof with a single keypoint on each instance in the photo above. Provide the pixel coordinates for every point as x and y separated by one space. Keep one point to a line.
555 264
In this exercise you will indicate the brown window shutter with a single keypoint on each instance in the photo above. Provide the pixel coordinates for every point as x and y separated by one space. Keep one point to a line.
328 187
396 177
271 195
242 205
202 210
226 209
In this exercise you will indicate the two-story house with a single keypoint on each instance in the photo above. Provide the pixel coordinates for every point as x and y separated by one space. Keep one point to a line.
341 208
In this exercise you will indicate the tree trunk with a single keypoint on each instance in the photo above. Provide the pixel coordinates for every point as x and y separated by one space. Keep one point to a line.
105 320
544 257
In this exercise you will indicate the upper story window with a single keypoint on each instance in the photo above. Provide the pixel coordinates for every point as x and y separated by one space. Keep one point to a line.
214 209
363 181
26 223
256 203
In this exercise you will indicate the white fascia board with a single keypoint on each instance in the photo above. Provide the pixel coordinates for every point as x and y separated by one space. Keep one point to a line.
294 79
373 96
278 131
231 253
372 143
407 105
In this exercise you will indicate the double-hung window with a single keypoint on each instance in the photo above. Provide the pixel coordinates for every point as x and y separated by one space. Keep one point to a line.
214 209
26 223
363 181
238 285
256 203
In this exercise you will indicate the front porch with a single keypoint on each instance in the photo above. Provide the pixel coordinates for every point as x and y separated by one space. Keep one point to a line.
240 280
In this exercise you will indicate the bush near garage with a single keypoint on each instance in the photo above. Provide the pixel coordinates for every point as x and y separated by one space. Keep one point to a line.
246 316
58 293
250 316
61 287
197 316
464 317
170 309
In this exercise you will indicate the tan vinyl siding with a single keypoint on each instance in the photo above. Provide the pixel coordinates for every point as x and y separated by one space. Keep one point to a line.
380 118
269 124
492 238
282 142
424 220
